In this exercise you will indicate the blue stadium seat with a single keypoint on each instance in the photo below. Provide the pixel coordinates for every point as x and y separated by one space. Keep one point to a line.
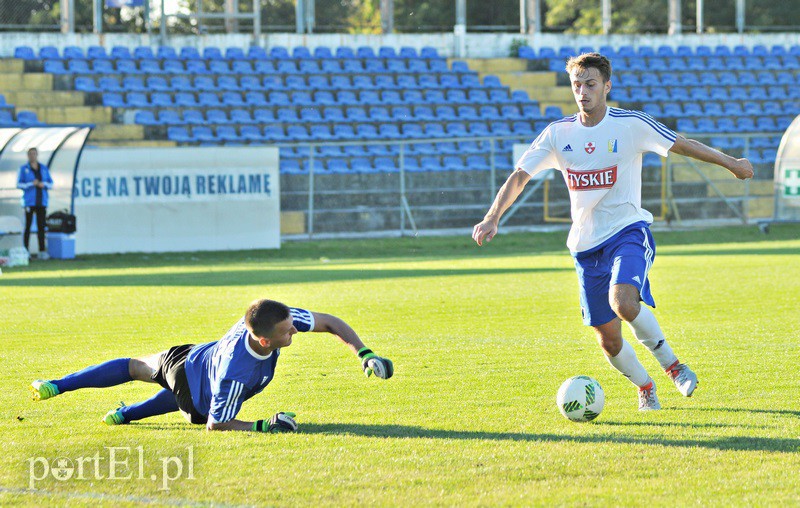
366 131
204 135
228 84
428 53
347 98
460 67
233 99
323 53
402 114
434 130
301 53
385 165
408 52
692 109
344 132
137 100
219 67
274 132
434 97
373 66
386 82
344 52
456 129
113 100
78 67
412 130
241 116
309 67
109 84
213 53
264 67
279 53
387 52
193 117
120 53
439 66
228 134
103 67
161 100
49 53
332 67
357 114
170 117
82 84
145 117
526 52
287 67
466 113
263 115
179 135
257 53
425 113
234 54
365 52
24 53
252 133
217 116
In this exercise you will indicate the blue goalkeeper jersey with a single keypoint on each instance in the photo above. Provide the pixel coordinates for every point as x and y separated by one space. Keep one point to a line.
225 373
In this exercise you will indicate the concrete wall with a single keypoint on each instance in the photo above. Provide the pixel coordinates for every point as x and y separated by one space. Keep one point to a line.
473 46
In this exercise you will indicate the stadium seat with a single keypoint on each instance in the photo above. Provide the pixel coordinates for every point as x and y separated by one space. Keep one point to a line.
85 84
146 117
120 53
137 100
28 119
24 53
213 53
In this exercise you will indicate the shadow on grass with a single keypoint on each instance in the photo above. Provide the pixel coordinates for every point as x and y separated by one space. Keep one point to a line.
778 412
258 276
691 425
739 443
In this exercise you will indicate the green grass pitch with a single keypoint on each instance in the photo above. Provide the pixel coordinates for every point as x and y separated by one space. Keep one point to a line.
481 339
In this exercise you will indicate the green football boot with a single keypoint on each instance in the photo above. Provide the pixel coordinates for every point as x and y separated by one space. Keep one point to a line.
43 390
114 417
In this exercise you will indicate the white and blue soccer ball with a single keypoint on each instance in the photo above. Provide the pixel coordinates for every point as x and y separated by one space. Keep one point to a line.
580 399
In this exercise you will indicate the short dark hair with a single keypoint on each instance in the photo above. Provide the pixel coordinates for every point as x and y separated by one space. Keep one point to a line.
263 315
589 60
33 149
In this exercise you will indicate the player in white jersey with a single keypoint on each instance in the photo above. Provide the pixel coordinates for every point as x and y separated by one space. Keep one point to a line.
599 154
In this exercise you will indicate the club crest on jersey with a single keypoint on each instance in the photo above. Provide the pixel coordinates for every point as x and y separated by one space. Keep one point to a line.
591 180
589 147
612 146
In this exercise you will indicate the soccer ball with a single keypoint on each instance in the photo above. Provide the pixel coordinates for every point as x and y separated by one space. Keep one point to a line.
580 399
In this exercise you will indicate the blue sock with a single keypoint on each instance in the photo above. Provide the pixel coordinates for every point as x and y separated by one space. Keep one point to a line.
106 374
159 404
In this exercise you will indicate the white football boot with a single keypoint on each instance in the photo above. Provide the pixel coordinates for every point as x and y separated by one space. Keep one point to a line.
648 400
684 378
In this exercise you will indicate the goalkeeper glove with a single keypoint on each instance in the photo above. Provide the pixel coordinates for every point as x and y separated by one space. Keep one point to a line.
281 422
372 363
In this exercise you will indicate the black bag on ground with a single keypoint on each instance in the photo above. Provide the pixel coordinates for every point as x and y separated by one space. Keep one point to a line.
61 222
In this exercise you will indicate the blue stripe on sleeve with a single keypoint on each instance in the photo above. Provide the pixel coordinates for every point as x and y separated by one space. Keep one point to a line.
662 129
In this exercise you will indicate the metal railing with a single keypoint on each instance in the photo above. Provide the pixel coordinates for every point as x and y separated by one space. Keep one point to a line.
404 202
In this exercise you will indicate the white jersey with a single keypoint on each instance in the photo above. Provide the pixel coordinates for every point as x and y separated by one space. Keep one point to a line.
602 167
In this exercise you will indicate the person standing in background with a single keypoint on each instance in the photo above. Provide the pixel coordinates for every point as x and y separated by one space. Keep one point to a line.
35 181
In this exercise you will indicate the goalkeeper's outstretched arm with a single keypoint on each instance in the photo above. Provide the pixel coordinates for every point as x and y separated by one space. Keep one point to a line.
370 362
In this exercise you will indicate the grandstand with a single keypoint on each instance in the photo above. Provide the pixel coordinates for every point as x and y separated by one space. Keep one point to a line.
364 105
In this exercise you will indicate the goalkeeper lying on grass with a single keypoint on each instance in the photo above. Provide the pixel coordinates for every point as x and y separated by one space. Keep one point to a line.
209 382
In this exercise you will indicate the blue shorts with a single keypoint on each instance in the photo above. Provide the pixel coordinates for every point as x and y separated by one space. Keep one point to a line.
625 258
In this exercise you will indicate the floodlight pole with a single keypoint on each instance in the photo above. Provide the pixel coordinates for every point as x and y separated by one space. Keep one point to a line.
460 28
231 24
699 16
163 28
387 16
530 12
606 17
310 16
740 7
675 26
299 16
67 16
98 16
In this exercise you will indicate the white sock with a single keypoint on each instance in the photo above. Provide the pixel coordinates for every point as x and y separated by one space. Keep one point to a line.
645 328
630 366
